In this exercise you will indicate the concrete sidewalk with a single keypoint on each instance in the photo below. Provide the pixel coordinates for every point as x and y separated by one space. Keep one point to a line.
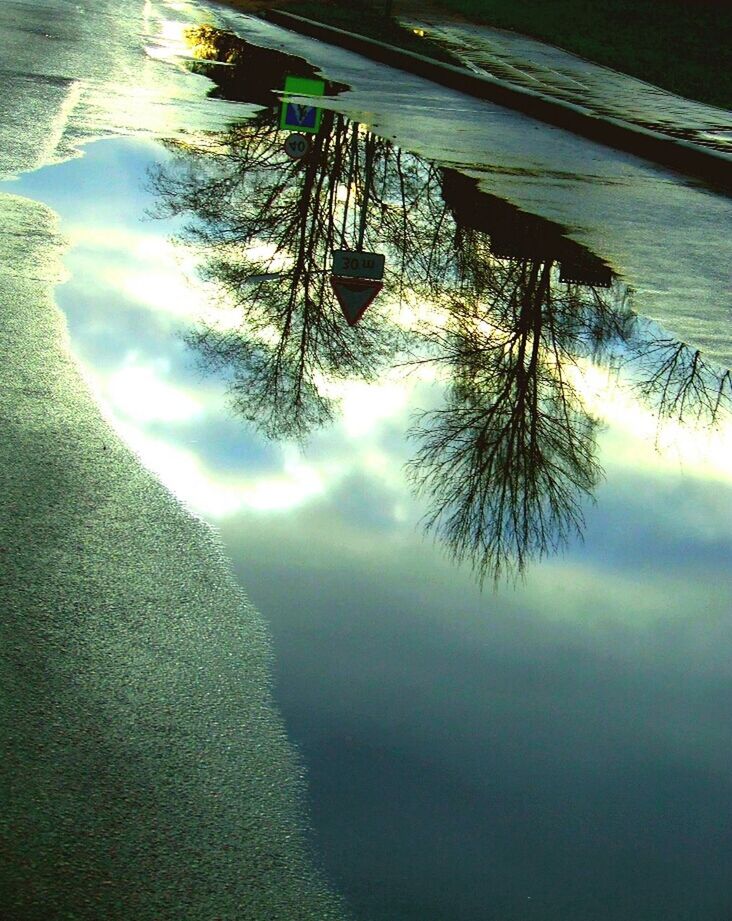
705 162
526 62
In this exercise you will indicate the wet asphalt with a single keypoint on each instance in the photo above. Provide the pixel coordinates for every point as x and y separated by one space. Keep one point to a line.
145 771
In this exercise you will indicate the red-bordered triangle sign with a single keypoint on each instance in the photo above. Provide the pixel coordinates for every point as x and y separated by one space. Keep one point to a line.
354 295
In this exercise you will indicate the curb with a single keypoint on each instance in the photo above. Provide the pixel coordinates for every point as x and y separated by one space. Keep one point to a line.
712 167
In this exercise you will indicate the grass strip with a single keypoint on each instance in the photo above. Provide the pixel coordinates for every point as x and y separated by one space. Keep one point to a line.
680 46
369 20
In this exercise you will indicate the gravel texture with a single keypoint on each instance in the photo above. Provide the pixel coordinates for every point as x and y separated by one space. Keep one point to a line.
145 772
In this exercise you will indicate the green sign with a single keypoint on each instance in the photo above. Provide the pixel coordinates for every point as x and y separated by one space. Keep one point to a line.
298 117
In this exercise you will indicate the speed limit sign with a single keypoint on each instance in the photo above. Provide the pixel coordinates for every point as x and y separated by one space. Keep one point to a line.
297 145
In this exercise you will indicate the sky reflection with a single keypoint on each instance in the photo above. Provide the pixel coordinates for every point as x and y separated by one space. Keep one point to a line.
132 343
556 750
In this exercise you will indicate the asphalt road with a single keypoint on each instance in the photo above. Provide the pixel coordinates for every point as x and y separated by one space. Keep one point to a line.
145 772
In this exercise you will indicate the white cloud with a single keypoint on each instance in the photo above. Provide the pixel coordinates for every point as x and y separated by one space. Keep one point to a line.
215 495
140 394
636 440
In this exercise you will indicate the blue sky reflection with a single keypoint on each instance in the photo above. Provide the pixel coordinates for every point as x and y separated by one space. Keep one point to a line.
555 750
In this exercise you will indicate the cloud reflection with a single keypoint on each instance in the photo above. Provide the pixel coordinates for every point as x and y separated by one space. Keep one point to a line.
134 268
508 464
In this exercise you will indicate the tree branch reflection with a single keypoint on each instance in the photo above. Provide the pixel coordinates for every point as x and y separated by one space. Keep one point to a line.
509 460
678 383
508 463
264 228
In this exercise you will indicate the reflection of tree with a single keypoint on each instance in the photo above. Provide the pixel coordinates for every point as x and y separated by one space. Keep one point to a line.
679 383
266 227
509 460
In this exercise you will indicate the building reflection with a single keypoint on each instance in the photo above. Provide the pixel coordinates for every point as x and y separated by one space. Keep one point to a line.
508 462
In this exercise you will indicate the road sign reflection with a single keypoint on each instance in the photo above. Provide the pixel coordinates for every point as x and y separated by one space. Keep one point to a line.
509 460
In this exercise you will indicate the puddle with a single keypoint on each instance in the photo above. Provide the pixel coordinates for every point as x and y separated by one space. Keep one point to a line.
667 236
501 415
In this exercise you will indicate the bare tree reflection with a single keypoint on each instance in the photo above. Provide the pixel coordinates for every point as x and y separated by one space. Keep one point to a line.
265 228
509 459
679 383
508 463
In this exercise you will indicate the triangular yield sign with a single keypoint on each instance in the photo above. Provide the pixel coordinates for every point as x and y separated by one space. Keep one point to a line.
354 295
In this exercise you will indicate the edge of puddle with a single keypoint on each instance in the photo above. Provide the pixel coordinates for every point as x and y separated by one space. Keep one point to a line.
139 674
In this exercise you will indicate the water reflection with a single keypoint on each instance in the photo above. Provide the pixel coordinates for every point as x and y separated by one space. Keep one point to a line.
679 383
266 228
505 308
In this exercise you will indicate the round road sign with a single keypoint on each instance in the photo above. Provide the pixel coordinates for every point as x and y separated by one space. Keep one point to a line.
297 145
